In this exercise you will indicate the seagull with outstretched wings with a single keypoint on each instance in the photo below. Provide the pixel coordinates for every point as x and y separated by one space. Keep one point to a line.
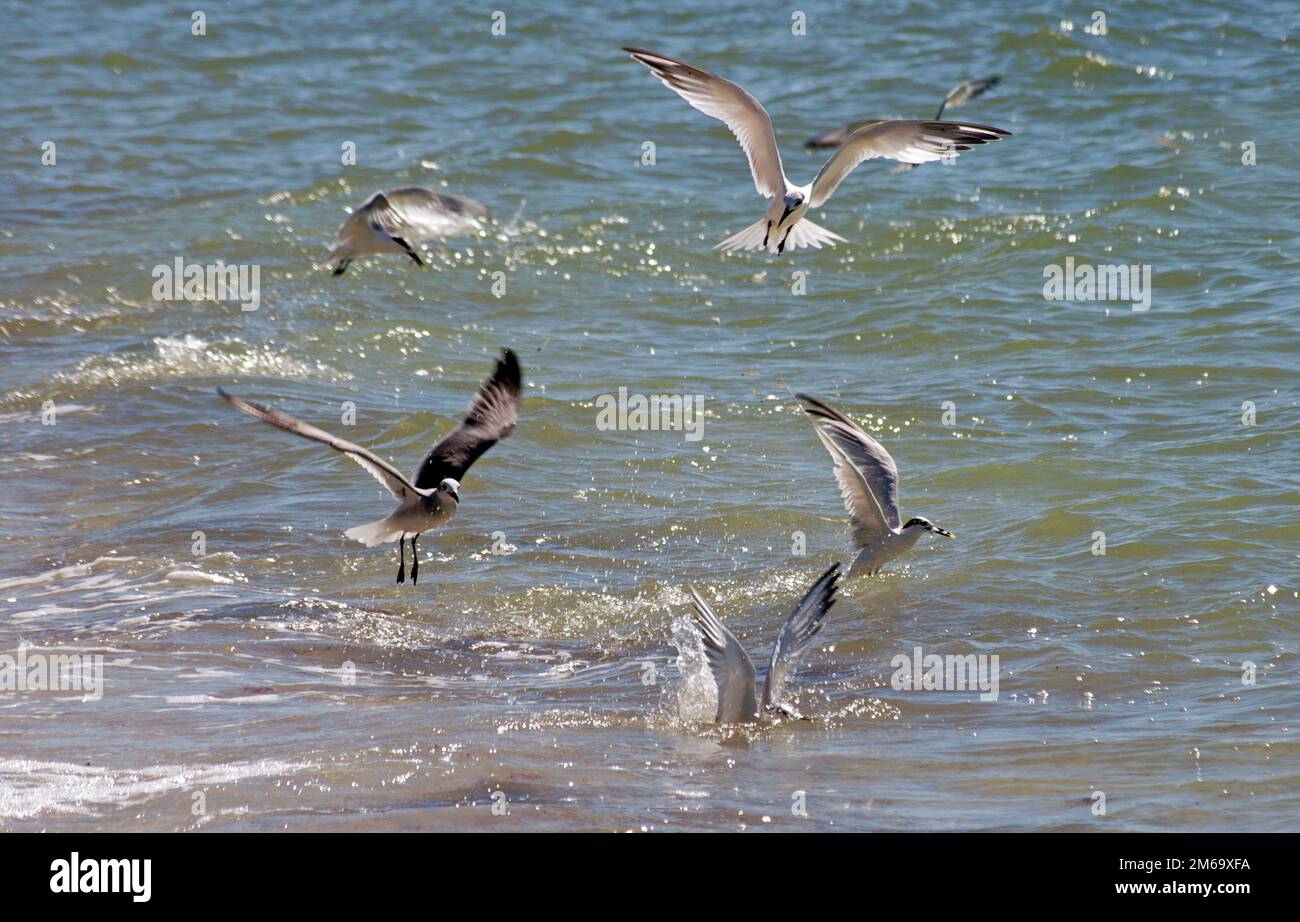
389 222
434 495
784 223
868 479
733 670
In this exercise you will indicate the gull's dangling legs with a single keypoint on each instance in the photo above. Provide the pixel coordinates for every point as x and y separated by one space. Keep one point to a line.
401 560
415 560
409 252
768 234
342 266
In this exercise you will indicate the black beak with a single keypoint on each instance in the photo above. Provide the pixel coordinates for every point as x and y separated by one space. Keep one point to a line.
944 532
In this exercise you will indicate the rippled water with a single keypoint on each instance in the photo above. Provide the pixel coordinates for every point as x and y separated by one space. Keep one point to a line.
226 703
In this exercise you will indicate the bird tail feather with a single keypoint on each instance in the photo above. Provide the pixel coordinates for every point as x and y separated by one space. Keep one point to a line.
375 533
808 234
751 238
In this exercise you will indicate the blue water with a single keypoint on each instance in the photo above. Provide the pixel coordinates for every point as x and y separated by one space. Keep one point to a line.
1171 430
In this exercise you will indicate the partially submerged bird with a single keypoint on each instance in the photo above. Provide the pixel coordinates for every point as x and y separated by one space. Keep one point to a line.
868 480
957 97
733 670
389 222
784 222
435 494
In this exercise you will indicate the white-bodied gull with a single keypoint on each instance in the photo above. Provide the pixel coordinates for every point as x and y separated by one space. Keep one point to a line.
389 222
733 670
784 222
868 480
434 495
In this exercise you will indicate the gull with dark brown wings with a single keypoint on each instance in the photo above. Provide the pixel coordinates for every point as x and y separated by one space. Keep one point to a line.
434 495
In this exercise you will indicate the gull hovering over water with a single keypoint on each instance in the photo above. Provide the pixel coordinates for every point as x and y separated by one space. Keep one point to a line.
733 670
868 480
957 97
434 495
784 222
389 221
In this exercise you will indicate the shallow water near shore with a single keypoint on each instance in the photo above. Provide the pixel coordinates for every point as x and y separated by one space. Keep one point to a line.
281 680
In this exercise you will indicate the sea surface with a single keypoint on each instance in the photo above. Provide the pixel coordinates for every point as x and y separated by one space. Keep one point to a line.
262 672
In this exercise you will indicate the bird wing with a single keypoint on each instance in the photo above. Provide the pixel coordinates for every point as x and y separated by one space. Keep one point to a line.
382 471
963 93
723 100
797 633
416 213
905 140
491 418
733 670
838 136
867 475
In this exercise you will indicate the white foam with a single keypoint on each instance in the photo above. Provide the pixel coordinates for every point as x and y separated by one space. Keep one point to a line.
30 788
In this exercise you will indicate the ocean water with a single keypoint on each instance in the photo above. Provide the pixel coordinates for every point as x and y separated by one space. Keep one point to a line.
280 679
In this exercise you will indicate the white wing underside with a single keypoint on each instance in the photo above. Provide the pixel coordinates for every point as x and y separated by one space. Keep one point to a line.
733 670
904 140
412 214
730 104
865 471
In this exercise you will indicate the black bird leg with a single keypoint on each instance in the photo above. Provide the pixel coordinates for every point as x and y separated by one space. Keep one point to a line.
781 246
401 566
766 234
409 252
342 266
415 560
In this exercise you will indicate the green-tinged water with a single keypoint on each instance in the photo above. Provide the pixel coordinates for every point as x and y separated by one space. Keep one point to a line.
285 676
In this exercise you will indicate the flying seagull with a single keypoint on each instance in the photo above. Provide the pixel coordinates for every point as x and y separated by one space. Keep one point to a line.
435 494
784 222
389 222
957 97
868 480
733 670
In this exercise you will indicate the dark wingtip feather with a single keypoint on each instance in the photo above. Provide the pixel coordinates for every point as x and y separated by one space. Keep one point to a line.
508 370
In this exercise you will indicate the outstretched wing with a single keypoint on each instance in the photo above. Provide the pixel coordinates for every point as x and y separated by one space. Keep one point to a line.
725 101
898 139
733 671
799 630
413 213
866 473
963 93
491 418
382 471
837 136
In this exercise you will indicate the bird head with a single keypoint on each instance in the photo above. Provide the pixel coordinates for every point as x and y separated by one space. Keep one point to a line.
919 522
450 486
792 201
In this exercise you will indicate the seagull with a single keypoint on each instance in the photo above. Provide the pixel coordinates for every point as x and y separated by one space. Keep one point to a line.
957 97
868 480
784 222
733 670
435 495
389 221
